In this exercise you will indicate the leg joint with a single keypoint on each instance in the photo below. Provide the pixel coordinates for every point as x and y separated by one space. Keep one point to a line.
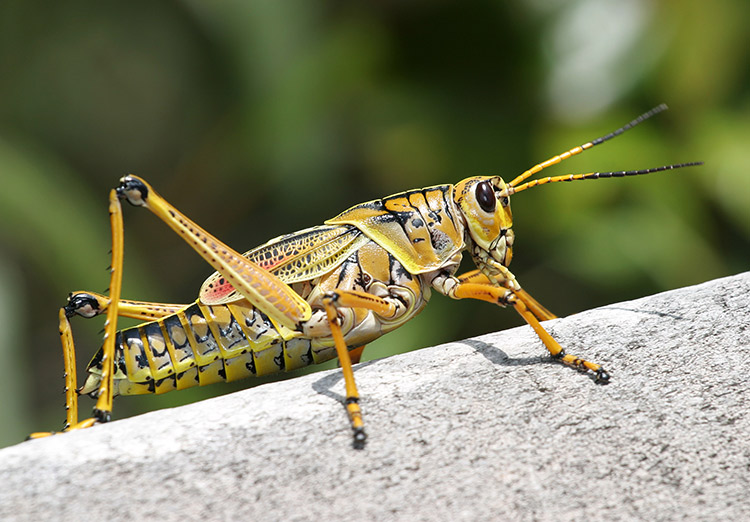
134 190
83 304
508 298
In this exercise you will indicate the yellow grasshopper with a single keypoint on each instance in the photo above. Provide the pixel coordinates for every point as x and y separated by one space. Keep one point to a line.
313 295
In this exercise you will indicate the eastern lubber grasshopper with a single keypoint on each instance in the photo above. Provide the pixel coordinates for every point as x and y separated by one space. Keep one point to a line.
313 295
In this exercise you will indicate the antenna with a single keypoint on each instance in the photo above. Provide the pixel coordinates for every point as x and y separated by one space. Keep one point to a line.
514 187
597 175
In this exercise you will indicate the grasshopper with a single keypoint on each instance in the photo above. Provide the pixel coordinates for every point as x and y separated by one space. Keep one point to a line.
313 295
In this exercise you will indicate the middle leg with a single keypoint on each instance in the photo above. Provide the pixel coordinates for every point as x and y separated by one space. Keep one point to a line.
353 299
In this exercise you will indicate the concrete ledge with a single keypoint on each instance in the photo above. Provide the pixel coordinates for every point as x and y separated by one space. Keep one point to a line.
481 429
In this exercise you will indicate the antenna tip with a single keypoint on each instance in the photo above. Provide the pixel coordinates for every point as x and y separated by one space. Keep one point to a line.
656 110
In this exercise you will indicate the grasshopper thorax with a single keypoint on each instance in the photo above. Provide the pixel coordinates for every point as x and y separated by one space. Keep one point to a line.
485 207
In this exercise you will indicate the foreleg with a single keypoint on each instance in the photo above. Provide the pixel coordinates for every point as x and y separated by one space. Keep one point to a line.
475 285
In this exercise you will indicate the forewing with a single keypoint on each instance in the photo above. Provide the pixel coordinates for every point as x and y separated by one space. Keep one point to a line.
292 258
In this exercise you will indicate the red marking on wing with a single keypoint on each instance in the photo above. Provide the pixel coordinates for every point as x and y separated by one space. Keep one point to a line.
271 257
216 290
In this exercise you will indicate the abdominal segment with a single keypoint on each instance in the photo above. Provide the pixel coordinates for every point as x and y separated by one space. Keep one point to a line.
202 345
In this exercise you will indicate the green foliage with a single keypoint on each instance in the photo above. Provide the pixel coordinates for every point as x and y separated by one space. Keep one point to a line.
260 118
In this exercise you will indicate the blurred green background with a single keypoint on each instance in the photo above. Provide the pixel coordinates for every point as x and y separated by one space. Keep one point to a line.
259 118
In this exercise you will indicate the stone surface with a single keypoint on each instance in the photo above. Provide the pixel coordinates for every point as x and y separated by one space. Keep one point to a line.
481 429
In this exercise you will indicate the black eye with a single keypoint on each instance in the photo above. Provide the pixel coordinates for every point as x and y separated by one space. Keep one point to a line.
486 196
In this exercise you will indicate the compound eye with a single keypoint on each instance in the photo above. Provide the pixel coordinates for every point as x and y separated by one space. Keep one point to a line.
486 196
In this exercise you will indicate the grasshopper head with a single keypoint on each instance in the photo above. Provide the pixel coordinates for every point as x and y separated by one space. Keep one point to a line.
485 205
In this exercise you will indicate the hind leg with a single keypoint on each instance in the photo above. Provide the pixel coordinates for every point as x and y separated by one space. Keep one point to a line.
91 304
103 407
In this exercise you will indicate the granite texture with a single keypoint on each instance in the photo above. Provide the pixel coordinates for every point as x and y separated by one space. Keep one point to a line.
481 429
